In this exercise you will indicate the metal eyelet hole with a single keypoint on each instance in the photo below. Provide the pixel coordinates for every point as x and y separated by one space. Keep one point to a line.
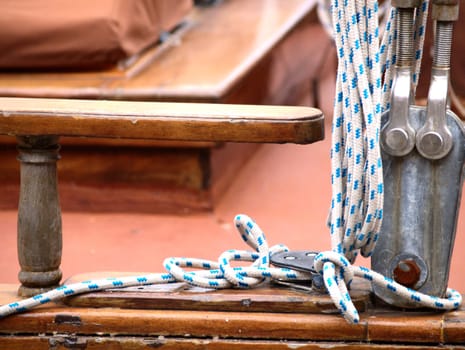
290 257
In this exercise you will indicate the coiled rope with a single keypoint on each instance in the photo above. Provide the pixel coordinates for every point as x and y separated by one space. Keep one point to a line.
357 183
220 274
209 274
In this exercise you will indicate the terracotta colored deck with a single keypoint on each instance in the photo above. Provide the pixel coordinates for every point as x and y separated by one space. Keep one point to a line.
285 188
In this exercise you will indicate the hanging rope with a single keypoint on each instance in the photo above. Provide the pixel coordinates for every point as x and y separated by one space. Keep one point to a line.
362 95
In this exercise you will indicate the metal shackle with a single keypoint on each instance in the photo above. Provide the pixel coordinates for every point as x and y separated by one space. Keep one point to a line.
434 139
398 136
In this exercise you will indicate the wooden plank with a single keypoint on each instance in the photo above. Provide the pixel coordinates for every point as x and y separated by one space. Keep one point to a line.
180 296
160 120
412 328
129 179
237 325
387 325
9 142
110 167
120 199
454 327
158 180
104 342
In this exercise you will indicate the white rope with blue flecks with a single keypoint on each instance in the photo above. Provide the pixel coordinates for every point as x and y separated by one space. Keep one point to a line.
212 274
221 274
364 83
356 208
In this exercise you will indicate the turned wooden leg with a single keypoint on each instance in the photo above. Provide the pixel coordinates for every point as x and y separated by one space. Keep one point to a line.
39 215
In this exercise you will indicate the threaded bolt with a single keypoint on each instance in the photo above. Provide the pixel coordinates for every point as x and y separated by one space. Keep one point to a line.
405 46
443 44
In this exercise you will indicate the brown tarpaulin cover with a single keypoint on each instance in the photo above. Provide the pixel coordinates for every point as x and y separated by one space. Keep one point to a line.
81 33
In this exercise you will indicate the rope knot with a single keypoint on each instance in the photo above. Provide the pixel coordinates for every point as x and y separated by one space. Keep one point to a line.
338 275
222 274
259 270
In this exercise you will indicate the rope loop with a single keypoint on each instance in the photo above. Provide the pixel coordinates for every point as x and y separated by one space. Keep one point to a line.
222 274
202 273
338 275
451 301
335 268
209 275
340 263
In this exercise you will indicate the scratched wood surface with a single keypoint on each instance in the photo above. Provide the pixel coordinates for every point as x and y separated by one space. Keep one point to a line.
131 327
179 296
47 342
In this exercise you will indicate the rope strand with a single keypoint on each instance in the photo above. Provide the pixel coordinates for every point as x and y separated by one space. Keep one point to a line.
208 274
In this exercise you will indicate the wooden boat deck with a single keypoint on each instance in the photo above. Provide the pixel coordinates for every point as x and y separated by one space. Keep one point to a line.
58 326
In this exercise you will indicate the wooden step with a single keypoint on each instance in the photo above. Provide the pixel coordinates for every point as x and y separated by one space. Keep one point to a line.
268 297
106 175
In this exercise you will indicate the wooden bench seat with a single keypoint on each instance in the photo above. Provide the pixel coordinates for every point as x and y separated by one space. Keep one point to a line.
38 123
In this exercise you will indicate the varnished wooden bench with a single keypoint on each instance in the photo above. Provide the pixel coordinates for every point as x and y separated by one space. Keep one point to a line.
38 123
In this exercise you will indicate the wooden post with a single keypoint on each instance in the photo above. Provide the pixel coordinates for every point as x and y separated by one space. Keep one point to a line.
39 215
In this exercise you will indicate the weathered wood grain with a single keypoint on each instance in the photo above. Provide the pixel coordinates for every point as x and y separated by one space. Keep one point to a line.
47 342
179 296
393 328
39 215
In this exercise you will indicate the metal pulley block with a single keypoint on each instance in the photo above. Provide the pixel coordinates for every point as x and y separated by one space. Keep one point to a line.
300 260
423 151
